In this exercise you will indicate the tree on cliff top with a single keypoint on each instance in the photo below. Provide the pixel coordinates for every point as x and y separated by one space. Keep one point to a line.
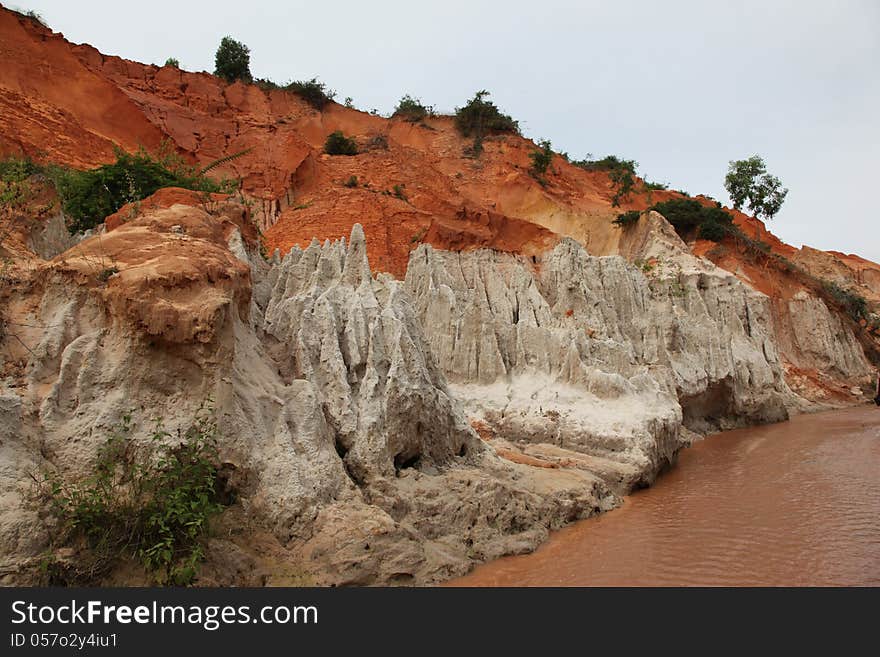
747 181
232 61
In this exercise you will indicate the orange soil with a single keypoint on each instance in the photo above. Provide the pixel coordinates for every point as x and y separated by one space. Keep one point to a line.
71 104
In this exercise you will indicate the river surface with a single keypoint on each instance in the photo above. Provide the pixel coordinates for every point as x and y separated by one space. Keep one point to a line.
795 503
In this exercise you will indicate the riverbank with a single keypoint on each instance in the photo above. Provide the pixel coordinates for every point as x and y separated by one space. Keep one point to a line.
794 503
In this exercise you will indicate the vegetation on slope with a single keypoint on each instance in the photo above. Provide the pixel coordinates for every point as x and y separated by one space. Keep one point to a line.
88 197
690 218
313 92
338 144
622 174
150 502
747 182
232 61
541 160
412 110
481 117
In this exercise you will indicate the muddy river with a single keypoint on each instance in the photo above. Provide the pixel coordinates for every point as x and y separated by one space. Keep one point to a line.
795 503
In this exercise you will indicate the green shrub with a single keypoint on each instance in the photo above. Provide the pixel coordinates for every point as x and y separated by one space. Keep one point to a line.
171 61
338 144
399 193
622 174
351 182
266 84
17 169
481 117
17 188
655 186
148 502
313 92
854 305
232 61
412 110
88 197
713 230
627 218
690 217
541 160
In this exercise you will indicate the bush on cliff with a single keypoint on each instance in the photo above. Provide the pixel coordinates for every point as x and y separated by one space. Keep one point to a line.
151 502
338 144
690 218
313 92
411 109
622 174
88 197
541 160
16 189
481 117
627 219
853 304
232 61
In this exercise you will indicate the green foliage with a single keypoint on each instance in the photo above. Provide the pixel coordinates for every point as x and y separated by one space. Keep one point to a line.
88 197
713 230
149 502
15 187
266 84
338 144
313 92
222 160
622 174
627 218
172 61
655 186
399 193
412 110
854 305
233 60
17 169
351 182
688 217
541 160
481 117
747 182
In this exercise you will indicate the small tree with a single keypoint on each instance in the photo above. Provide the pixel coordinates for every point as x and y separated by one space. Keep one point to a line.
541 160
232 61
338 144
747 182
481 117
621 173
172 61
411 109
313 92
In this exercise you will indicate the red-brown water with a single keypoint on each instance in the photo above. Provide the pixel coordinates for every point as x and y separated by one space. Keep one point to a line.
795 503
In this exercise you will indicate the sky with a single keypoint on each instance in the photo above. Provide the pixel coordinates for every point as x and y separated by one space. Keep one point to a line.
680 86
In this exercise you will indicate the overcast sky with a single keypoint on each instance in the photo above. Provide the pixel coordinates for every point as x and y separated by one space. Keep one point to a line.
681 87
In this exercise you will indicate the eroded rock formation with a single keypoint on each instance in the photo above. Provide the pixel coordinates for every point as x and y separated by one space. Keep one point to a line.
350 449
523 362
